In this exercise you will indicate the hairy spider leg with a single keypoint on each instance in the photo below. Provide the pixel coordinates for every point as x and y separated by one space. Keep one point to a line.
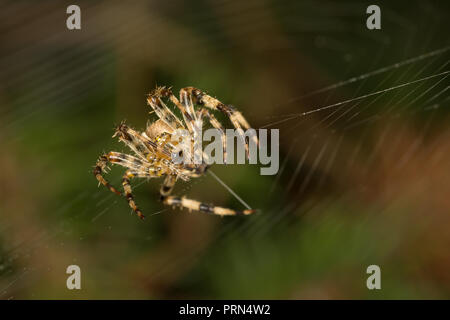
186 100
140 167
128 192
137 168
185 106
164 113
99 169
193 125
144 148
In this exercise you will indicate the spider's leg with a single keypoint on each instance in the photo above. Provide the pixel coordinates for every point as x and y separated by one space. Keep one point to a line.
136 168
161 110
238 120
216 124
195 205
126 160
142 146
122 159
128 193
99 169
186 101
140 168
185 106
194 124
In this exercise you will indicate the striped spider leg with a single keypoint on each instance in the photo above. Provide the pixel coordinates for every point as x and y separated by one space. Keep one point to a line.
148 165
136 168
194 205
154 148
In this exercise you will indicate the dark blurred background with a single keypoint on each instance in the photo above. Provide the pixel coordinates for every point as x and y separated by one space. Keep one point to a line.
364 173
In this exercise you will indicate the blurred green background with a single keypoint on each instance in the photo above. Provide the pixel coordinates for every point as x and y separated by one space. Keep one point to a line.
364 181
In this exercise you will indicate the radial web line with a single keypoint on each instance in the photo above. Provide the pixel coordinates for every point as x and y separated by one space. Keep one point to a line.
229 190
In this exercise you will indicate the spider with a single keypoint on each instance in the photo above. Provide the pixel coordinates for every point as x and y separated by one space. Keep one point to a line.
153 148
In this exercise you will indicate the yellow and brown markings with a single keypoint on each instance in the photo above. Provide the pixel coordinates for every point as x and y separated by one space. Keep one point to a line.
187 110
154 147
134 140
163 112
236 118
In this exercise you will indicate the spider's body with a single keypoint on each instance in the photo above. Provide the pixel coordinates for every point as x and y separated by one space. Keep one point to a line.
154 147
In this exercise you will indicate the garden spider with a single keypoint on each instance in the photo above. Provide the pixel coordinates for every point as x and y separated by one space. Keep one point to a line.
154 148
